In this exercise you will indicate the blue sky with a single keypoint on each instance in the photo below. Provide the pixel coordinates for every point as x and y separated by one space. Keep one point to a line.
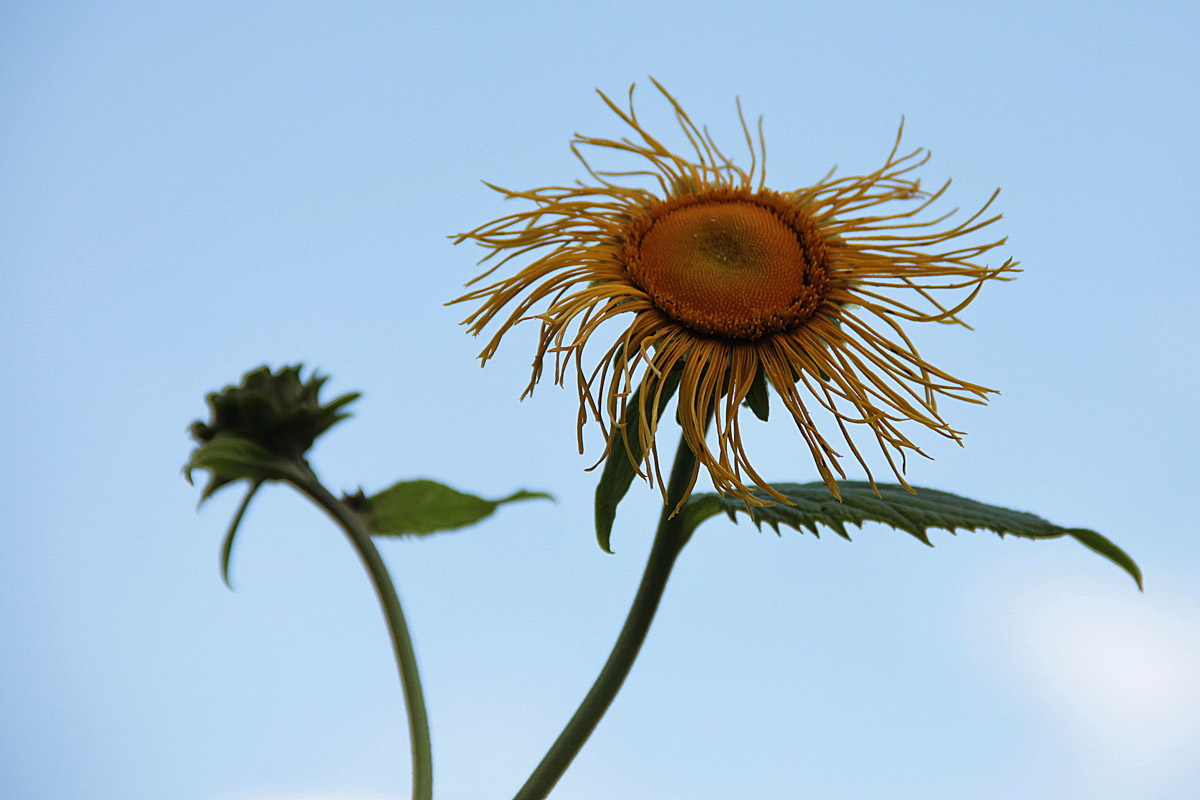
190 190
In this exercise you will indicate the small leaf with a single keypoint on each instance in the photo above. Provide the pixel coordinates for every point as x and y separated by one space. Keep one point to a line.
894 506
230 458
422 507
758 398
619 470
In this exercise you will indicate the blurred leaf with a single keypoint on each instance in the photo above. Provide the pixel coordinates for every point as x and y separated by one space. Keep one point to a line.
227 546
230 458
423 507
619 470
895 506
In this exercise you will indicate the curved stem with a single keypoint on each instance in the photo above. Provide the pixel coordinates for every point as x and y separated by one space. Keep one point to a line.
410 679
668 543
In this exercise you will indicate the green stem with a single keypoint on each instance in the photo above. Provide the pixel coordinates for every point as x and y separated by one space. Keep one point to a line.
406 660
668 543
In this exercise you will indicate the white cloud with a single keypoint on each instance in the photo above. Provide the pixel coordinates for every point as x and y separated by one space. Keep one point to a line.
1120 671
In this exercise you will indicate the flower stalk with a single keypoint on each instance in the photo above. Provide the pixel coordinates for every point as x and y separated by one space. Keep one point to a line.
406 660
669 541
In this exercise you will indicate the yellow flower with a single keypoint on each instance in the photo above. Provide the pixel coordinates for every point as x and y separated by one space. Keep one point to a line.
726 280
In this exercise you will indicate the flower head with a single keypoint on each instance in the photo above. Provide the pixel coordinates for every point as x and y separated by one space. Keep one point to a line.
276 413
274 409
730 283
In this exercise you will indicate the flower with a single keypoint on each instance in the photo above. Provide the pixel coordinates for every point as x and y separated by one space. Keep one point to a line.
728 282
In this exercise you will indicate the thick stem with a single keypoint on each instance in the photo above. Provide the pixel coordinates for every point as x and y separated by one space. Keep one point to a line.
410 679
668 542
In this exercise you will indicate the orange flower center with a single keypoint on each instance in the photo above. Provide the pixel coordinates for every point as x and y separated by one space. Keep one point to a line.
729 262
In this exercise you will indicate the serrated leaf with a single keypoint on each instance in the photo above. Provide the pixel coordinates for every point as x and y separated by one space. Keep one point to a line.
619 470
759 398
230 458
423 507
895 506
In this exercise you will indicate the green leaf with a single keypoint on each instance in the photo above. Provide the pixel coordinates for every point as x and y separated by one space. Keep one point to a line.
895 506
619 468
758 398
423 507
230 458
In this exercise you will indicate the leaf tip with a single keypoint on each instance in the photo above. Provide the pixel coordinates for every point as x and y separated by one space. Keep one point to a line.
1100 544
602 539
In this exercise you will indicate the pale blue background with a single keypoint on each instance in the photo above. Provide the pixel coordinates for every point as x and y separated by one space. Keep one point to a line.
190 190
